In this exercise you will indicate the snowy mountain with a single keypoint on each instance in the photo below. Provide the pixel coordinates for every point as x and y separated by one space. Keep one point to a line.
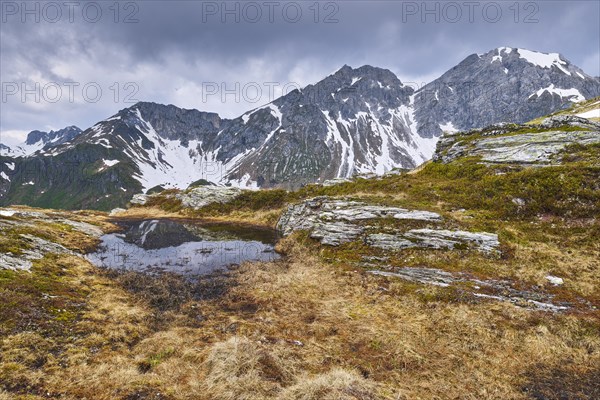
355 121
38 140
505 84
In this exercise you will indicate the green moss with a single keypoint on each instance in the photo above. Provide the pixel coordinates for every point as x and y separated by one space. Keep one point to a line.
42 300
584 155
155 359
165 201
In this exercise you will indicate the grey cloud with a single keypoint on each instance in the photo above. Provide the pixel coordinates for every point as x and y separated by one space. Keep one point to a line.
172 51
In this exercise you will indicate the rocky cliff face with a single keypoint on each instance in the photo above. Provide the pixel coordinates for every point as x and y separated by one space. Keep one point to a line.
354 121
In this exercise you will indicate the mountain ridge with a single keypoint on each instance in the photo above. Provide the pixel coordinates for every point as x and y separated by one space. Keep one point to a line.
355 121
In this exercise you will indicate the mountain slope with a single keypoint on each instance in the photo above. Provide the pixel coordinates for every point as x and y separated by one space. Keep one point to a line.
354 121
503 85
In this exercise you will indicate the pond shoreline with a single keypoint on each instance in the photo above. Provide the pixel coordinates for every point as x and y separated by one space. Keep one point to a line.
186 247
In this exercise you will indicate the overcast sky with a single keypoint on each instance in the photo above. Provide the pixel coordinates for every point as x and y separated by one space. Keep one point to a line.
229 57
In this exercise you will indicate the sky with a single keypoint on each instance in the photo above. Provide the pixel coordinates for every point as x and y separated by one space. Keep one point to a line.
78 62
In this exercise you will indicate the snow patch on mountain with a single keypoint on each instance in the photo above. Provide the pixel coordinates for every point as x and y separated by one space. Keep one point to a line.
448 128
334 141
544 60
168 163
107 164
573 94
590 114
25 149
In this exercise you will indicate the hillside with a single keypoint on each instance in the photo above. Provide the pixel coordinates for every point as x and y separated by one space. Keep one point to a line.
473 276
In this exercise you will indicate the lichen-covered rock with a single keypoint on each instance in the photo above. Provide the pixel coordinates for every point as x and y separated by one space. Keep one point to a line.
83 227
334 221
139 199
335 233
500 290
389 242
199 197
446 239
531 148
530 144
36 249
436 239
336 181
430 276
14 263
33 247
559 121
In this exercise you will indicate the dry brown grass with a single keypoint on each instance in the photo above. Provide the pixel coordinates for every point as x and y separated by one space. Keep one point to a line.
300 328
266 218
147 213
240 369
335 385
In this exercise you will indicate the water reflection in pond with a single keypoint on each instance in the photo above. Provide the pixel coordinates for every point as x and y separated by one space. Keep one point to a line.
183 247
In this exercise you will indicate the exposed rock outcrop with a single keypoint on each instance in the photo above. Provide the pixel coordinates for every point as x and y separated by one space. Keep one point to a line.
334 221
199 197
501 290
37 248
520 144
436 239
196 197
34 247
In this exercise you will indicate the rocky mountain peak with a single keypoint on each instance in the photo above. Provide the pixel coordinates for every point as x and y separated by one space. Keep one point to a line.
56 137
350 91
169 121
504 84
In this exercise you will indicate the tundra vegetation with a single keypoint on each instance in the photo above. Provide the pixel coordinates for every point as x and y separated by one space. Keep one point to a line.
317 324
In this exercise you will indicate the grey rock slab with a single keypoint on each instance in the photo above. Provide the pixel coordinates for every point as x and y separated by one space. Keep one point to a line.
336 233
429 276
14 263
435 239
497 290
389 242
83 227
199 197
497 145
536 148
139 199
335 221
336 181
37 249
439 239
